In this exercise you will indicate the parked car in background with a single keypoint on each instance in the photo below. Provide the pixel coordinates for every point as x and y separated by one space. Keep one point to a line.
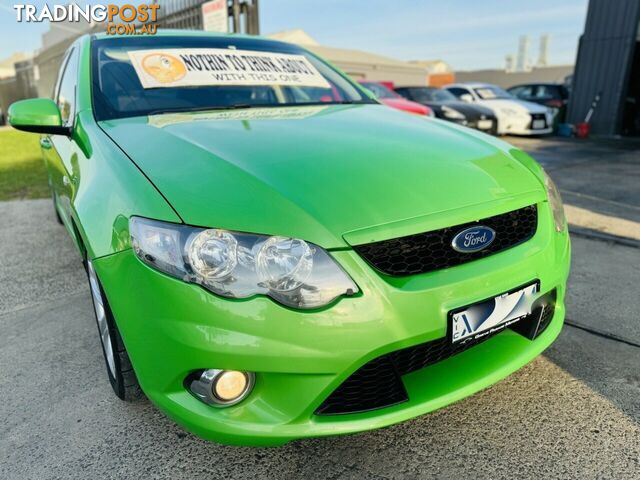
515 116
446 106
394 100
552 95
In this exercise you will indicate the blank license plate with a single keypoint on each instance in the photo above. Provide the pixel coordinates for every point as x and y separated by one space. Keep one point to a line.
538 124
492 315
484 124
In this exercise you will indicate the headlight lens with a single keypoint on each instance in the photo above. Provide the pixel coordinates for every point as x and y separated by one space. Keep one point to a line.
452 113
284 264
240 265
213 254
555 202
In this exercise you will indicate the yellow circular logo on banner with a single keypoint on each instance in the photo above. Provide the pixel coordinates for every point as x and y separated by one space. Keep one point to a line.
164 68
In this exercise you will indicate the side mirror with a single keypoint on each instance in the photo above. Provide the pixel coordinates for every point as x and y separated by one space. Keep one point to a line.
466 97
37 115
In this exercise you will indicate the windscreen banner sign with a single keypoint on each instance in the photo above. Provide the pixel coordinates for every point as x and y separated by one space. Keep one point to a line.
222 67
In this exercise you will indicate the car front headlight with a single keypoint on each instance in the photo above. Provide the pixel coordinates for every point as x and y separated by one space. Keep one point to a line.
555 202
452 113
293 272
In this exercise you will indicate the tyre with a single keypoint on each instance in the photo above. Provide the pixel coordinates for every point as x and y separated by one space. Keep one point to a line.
119 369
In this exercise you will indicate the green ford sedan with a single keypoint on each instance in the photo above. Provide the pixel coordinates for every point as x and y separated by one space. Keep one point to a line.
274 255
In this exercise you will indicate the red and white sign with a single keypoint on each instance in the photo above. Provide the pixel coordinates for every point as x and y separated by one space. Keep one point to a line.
215 16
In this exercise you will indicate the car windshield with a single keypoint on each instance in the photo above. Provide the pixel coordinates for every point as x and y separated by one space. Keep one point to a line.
379 90
433 95
150 75
491 93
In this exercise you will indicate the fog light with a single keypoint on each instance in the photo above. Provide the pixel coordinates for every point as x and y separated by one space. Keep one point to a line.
221 388
230 385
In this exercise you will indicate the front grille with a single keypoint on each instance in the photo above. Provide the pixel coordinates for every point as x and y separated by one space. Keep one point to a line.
428 251
374 385
378 383
538 116
545 319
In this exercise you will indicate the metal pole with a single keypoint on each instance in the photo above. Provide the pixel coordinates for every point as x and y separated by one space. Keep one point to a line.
235 8
244 13
255 14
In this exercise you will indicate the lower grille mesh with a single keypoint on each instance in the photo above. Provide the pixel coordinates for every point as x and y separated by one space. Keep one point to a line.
374 385
378 383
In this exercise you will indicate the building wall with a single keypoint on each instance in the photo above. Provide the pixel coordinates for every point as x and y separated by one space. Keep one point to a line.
61 31
380 73
509 79
603 65
26 78
9 92
362 65
441 79
48 62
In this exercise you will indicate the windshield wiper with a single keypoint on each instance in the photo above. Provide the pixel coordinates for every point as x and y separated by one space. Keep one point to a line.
239 106
236 106
347 102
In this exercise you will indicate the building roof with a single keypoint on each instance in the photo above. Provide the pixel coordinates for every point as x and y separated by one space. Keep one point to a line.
351 56
296 35
433 66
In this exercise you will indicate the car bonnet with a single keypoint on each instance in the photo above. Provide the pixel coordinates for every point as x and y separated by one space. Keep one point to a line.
318 173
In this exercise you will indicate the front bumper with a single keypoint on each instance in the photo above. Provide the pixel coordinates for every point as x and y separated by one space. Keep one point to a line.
522 125
516 130
491 129
171 328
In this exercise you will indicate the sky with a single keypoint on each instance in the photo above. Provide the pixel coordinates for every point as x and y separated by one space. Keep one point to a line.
468 34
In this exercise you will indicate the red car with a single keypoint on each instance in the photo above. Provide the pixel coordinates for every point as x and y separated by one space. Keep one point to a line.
394 100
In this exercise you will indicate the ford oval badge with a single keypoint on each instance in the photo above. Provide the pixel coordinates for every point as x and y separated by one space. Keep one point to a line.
473 239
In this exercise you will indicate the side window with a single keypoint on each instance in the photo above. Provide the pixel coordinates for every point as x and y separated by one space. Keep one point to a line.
67 91
458 92
56 87
546 92
521 92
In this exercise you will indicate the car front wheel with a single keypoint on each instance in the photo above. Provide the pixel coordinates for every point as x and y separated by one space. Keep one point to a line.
119 369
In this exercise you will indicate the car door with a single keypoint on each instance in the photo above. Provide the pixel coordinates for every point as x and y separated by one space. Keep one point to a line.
59 149
407 93
51 160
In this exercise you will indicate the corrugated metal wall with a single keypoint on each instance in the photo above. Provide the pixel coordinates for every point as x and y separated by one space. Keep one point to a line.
604 62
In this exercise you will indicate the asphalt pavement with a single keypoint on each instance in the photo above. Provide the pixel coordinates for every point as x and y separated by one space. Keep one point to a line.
574 412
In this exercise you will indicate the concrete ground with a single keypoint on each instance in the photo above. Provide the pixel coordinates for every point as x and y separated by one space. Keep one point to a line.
572 413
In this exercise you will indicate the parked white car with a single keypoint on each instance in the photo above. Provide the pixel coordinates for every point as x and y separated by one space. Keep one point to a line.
514 116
